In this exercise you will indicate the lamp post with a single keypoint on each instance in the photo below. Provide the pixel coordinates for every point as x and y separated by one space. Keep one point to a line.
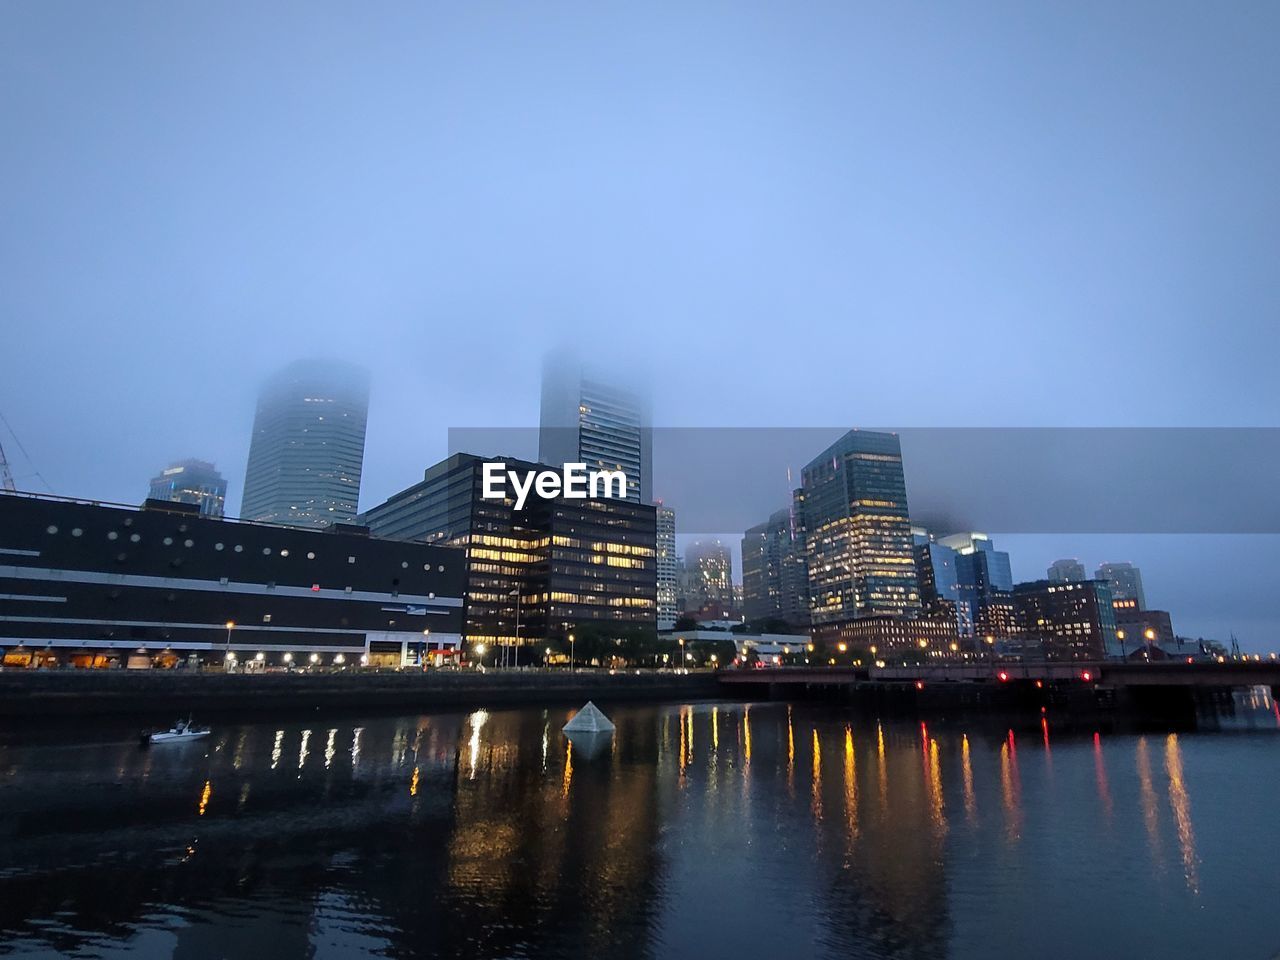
1151 636
516 655
1120 637
571 653
426 648
226 653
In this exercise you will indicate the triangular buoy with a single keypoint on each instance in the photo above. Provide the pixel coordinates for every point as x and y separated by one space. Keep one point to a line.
589 720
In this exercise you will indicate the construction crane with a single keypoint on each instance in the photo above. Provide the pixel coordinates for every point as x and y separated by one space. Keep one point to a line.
6 475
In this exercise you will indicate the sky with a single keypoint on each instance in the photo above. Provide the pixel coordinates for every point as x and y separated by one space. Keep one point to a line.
831 214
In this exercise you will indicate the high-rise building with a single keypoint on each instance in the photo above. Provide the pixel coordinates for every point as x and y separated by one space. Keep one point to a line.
983 574
709 568
665 566
308 445
532 573
1125 580
858 532
939 588
191 481
590 416
1066 621
775 582
1067 571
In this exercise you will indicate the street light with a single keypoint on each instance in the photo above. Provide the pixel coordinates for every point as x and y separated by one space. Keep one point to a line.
682 659
1150 635
426 645
231 625
571 653
516 656
1120 637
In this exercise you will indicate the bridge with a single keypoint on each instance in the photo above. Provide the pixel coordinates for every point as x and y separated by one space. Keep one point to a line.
1162 673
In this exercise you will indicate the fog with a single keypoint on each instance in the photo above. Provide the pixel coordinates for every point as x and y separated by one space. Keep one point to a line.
840 215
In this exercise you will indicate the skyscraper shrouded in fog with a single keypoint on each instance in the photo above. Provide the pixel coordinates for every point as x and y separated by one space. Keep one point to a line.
709 590
591 416
860 549
775 581
191 481
307 451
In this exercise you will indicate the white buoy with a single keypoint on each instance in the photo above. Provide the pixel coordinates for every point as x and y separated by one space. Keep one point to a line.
589 720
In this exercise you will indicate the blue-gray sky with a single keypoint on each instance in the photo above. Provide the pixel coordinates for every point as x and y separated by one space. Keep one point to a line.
991 214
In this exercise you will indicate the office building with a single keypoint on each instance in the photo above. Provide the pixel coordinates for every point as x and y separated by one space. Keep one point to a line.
191 481
533 573
1067 571
775 582
92 584
914 637
665 566
709 592
1125 580
1065 621
592 416
860 553
307 451
1141 627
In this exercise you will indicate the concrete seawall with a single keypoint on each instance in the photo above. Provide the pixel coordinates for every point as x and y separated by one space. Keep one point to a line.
29 694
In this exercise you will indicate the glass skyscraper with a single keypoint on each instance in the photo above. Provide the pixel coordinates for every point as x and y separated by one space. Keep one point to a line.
307 451
191 481
858 531
590 417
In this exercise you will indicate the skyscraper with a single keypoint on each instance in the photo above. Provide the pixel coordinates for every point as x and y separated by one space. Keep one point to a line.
858 531
709 568
1125 581
308 445
774 576
191 481
589 416
666 567
1067 571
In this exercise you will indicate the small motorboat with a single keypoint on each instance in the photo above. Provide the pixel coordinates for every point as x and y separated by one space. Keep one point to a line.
180 732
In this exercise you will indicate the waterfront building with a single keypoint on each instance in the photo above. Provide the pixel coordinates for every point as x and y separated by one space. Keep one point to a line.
665 566
775 579
93 584
922 637
938 584
532 573
1141 627
709 579
767 645
1067 571
307 451
591 416
1125 580
857 529
191 481
1065 621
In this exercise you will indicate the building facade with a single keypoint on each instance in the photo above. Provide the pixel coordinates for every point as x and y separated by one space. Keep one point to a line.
775 579
1140 627
709 592
1125 581
307 452
665 566
589 416
1065 621
859 553
1067 571
191 481
89 583
534 573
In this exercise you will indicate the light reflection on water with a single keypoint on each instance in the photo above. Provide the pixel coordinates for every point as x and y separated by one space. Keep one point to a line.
722 829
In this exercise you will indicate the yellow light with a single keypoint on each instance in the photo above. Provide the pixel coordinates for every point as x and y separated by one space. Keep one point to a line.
231 624
1150 634
842 646
479 649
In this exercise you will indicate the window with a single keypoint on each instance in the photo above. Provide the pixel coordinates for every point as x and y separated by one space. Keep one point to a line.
110 536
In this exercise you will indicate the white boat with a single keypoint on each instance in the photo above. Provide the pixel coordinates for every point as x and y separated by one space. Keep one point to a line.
181 731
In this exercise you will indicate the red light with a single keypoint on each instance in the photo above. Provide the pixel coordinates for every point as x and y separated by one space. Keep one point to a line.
1039 684
315 588
1190 660
1003 676
1086 676
919 684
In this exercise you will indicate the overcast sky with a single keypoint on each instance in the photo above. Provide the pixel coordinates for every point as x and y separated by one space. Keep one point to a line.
915 215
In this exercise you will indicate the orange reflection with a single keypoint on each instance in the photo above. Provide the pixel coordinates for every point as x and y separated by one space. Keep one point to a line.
1100 772
817 777
205 794
850 784
1010 788
746 733
1150 806
413 784
937 811
882 768
1180 801
568 771
715 728
970 800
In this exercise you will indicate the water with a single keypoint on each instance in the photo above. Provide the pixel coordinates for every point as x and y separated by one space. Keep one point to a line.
711 830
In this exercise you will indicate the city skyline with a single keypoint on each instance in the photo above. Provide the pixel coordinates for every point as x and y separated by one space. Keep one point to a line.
943 195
